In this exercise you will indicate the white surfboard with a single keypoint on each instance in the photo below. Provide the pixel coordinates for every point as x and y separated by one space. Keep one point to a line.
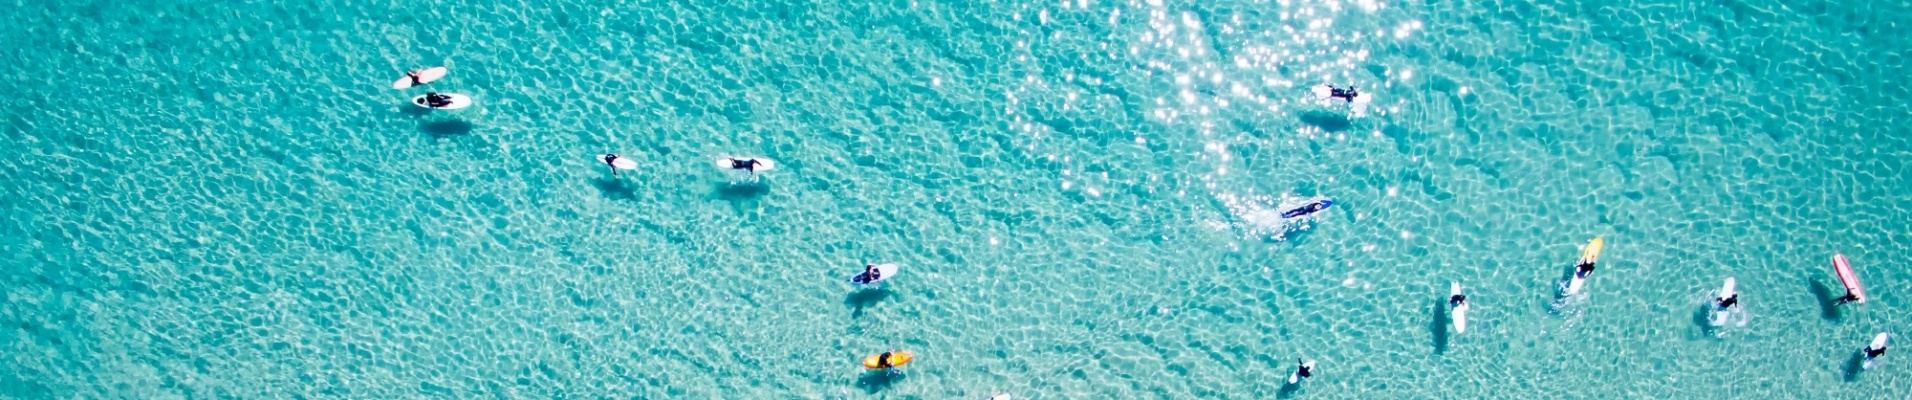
1720 313
1323 92
1459 310
1574 285
1295 377
1878 342
457 101
884 272
423 76
1000 396
763 164
623 163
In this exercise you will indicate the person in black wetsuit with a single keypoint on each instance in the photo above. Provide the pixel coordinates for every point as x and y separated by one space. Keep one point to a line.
1309 208
1848 298
1581 271
1872 353
870 274
611 160
1727 302
414 76
1457 301
748 165
1303 370
884 360
1344 94
435 100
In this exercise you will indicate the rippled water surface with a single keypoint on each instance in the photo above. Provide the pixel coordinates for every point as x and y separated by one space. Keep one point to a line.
214 199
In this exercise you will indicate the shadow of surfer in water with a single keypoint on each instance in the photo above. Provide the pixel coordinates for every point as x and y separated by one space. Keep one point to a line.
1828 304
1439 325
864 298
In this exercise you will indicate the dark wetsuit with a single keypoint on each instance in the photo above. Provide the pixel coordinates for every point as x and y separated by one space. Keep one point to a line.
1305 372
1729 302
1310 208
1457 300
1848 298
610 159
884 360
1874 353
435 100
1581 271
747 165
414 76
1339 93
870 274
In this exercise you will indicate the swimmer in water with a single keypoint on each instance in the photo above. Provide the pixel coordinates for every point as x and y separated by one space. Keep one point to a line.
1848 298
611 161
1310 208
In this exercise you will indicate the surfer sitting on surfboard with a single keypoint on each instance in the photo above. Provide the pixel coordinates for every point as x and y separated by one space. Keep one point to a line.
1728 302
611 161
1874 352
1303 369
1581 271
870 274
1457 300
435 100
883 361
413 75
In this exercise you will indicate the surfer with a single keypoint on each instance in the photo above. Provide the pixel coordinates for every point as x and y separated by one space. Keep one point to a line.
1848 298
413 75
1585 268
870 274
1303 370
1346 94
1875 350
747 164
611 161
1727 302
883 360
435 100
1310 208
1457 301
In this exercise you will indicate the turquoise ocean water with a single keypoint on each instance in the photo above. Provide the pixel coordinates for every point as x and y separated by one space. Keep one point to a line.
227 199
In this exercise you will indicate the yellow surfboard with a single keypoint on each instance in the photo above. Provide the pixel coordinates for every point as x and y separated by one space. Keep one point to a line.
897 359
1592 254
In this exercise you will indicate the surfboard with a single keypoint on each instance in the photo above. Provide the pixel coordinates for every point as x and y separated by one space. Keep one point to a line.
884 271
1878 342
1000 396
897 359
457 101
1847 278
1589 256
621 162
424 76
1459 310
1295 377
763 164
1720 313
1323 92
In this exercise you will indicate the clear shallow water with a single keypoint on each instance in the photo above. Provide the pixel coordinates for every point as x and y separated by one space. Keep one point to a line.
216 200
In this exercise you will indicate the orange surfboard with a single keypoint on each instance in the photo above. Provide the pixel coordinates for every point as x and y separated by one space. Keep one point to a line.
897 359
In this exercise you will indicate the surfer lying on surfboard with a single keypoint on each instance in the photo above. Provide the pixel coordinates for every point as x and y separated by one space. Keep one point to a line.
1310 208
1876 349
746 164
610 160
435 100
870 274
